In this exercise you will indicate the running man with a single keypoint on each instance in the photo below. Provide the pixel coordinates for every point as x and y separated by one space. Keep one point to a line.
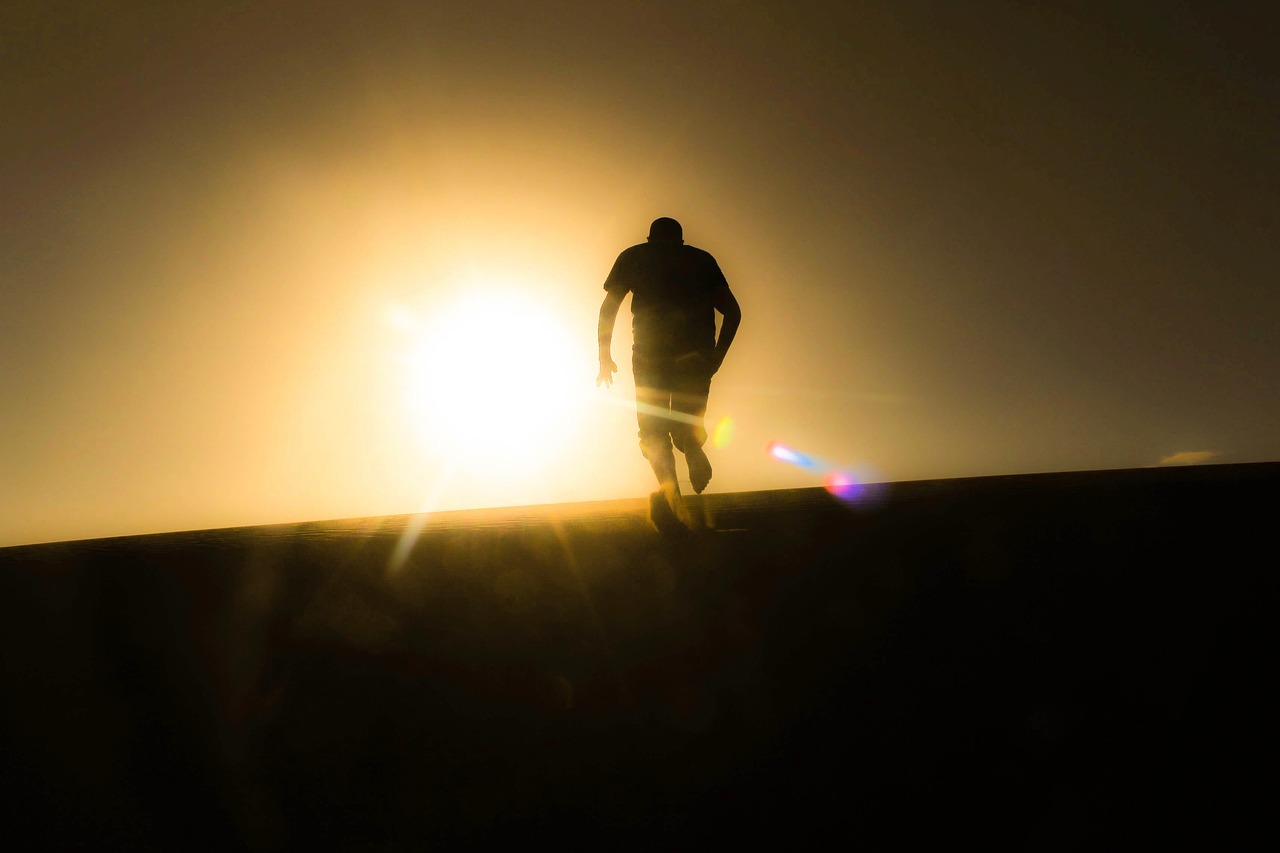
676 292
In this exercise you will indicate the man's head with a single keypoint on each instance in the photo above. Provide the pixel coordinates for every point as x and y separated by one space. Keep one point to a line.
665 230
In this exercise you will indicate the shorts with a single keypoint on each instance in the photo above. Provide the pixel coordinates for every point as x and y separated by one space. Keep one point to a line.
671 399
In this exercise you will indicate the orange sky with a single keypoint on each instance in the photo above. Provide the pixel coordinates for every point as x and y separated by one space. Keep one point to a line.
1007 241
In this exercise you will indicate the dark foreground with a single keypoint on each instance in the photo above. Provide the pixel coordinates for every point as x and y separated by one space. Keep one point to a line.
1042 661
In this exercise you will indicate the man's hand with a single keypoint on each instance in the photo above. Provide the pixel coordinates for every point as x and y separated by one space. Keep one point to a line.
604 333
607 369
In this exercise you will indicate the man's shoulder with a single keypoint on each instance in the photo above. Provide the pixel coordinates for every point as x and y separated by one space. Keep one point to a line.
704 267
639 249
701 257
621 277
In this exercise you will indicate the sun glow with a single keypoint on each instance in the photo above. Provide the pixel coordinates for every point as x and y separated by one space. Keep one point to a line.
494 381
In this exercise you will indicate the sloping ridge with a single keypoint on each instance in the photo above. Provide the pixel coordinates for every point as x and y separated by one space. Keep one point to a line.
1036 660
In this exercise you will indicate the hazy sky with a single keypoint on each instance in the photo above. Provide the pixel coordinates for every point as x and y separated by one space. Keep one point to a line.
967 239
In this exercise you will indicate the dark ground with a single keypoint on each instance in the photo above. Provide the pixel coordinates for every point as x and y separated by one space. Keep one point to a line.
1040 662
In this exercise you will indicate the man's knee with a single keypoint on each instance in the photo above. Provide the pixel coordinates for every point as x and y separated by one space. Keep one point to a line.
657 450
654 444
688 436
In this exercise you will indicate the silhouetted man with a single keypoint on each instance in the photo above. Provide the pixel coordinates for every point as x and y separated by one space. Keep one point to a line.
676 292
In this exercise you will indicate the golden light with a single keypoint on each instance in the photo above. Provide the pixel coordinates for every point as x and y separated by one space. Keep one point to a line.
495 382
722 434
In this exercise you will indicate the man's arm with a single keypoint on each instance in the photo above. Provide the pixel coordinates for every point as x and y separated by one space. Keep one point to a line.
604 336
727 305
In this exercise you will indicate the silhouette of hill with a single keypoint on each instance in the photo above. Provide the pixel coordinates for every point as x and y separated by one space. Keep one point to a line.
1041 661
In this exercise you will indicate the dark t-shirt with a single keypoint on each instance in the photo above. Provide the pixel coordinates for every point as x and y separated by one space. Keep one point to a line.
672 290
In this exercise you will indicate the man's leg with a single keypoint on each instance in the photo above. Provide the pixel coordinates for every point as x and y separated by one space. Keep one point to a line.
653 404
655 430
691 386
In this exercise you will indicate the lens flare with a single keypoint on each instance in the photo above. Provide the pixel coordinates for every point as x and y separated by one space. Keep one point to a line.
723 433
854 489
842 484
778 450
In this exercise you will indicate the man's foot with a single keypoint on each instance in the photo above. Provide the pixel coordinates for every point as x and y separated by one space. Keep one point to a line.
699 468
661 516
670 514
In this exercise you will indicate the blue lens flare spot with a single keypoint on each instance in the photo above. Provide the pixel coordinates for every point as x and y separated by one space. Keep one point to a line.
780 451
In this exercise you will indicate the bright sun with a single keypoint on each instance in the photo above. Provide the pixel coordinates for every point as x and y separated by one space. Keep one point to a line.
495 382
